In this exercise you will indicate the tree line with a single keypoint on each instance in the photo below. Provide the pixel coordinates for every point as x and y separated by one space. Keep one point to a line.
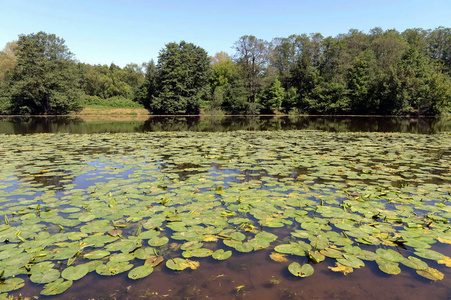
380 72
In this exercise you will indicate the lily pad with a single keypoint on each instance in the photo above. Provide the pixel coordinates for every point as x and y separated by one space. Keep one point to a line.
154 261
75 273
140 272
300 271
388 267
11 284
158 241
180 264
56 287
97 254
220 254
45 276
341 268
431 273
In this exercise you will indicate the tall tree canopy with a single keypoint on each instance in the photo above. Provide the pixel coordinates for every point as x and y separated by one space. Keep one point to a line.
45 79
182 81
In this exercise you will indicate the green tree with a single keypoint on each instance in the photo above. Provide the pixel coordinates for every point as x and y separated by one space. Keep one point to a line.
252 55
439 46
361 83
273 96
183 79
229 93
148 89
45 79
8 61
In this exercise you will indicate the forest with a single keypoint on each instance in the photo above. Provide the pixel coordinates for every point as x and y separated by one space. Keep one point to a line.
382 72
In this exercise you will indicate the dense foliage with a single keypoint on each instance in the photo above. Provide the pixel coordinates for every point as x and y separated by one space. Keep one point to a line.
380 72
179 83
45 79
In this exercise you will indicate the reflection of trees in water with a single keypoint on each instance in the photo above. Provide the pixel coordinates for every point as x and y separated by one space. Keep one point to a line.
44 175
24 125
54 181
29 125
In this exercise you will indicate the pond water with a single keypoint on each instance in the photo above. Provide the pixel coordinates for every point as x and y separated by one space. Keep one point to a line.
238 203
118 124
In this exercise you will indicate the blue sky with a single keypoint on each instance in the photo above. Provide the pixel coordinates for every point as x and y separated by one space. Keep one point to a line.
134 31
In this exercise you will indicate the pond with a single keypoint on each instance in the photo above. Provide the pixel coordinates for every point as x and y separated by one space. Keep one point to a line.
209 208
130 123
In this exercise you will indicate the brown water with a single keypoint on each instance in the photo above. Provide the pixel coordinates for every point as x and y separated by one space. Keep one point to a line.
260 278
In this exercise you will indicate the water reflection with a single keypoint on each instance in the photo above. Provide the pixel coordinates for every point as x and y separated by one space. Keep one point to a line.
102 124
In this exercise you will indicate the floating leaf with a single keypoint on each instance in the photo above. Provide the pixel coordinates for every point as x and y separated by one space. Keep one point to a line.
316 256
332 253
180 264
158 241
341 268
430 254
444 241
97 254
278 257
431 273
11 284
300 271
154 261
45 276
56 287
75 273
445 261
414 263
388 267
140 272
220 254
351 261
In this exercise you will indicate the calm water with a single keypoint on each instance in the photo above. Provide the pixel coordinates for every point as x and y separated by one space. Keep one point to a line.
260 277
100 124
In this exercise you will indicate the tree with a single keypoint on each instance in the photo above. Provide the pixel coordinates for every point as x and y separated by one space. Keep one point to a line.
148 89
182 83
273 96
228 89
439 46
252 56
45 79
7 61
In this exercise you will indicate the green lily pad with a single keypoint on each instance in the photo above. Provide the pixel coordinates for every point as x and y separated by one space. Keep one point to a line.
140 272
199 252
144 253
45 276
11 284
180 264
430 254
300 271
56 287
351 261
220 254
414 263
158 241
75 273
331 253
388 267
97 254
316 256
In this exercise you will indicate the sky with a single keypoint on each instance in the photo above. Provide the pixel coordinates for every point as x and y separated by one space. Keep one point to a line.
134 31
